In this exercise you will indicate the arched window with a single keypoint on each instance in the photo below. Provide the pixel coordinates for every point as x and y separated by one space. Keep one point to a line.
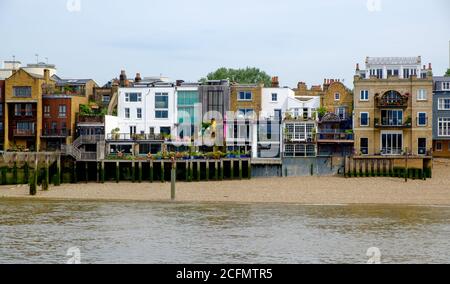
392 97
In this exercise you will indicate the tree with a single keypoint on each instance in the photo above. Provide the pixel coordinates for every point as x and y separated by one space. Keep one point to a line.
241 76
447 74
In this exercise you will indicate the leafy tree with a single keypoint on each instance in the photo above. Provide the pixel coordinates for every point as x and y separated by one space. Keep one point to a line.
248 75
447 74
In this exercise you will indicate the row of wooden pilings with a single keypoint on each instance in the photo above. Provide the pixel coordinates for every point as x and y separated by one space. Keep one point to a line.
385 167
159 170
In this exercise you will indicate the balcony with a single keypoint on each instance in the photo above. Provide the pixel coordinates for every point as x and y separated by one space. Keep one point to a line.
55 133
88 119
134 137
24 132
335 137
391 99
389 123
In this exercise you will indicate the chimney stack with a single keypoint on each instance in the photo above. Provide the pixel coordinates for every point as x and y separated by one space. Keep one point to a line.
275 82
357 66
47 76
429 66
138 78
123 79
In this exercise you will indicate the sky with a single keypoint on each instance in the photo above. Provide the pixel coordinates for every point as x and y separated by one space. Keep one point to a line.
296 40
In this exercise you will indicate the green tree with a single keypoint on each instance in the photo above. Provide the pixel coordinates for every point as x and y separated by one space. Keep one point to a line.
249 75
447 74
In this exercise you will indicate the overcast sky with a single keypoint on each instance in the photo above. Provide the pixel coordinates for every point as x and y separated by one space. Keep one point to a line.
296 40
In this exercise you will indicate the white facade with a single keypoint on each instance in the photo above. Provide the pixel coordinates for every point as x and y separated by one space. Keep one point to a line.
275 99
284 100
145 110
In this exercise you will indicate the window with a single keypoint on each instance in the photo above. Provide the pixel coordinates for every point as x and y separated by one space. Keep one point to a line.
127 113
337 97
422 146
22 92
422 95
106 99
62 110
139 113
364 146
364 95
444 126
364 119
164 130
421 119
299 150
245 96
274 97
439 146
341 112
391 117
28 110
25 128
161 105
391 143
18 110
444 104
446 86
246 113
299 131
47 111
133 97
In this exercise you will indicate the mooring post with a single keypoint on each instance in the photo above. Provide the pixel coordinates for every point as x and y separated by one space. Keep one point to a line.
173 179
151 171
232 169
58 170
46 175
133 171
198 171
221 170
33 181
140 172
207 170
102 171
240 168
216 170
86 172
406 165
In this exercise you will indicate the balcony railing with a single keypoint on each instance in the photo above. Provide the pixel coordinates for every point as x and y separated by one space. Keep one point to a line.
134 137
391 151
392 102
24 132
91 119
338 136
55 132
390 123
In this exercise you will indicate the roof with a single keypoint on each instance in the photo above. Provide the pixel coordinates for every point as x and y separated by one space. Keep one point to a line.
393 60
72 82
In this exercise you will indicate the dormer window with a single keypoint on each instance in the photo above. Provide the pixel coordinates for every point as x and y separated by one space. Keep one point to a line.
446 86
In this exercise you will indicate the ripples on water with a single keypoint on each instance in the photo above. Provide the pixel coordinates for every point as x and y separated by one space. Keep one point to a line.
133 232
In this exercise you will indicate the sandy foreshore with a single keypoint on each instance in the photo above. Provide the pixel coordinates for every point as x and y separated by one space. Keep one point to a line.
301 190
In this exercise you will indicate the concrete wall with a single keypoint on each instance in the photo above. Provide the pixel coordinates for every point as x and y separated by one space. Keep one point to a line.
321 166
266 171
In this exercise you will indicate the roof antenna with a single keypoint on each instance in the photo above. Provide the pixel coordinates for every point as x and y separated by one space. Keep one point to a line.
37 58
46 60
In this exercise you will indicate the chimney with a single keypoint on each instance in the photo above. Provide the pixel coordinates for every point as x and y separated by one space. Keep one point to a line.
275 82
424 67
47 76
429 66
123 79
138 78
357 66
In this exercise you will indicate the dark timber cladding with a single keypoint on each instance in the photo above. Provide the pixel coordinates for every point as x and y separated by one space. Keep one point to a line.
215 96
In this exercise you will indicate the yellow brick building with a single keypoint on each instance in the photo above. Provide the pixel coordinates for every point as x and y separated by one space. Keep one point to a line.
393 107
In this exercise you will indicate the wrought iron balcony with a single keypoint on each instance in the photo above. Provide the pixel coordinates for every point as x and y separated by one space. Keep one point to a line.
335 137
392 99
24 132
134 137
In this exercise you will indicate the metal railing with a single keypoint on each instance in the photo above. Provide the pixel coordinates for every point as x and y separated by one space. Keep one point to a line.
24 132
134 137
56 132
338 136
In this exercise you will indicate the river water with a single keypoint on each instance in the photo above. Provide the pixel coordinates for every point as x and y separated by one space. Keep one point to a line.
140 232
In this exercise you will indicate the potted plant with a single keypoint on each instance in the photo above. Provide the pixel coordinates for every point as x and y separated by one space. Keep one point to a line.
376 121
115 133
408 121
